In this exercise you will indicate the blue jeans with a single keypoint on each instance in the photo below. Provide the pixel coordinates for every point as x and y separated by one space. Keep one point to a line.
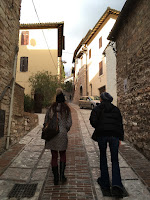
113 145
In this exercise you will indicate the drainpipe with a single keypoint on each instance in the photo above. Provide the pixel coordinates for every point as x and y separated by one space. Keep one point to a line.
12 99
86 77
86 81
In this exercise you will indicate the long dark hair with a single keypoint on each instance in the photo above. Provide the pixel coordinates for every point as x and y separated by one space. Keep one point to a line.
63 109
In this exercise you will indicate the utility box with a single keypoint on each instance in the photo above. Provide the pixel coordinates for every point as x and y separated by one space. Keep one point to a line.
2 122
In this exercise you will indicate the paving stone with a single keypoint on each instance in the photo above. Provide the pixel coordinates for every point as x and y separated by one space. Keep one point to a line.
5 187
26 159
45 160
39 175
33 148
82 170
136 190
16 174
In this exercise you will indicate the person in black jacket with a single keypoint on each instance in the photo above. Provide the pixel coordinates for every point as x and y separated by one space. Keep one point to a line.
107 121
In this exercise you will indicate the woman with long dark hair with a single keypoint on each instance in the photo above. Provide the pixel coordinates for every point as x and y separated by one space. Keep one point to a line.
59 143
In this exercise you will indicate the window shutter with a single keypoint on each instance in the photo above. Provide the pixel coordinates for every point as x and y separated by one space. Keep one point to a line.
100 68
21 64
25 38
89 53
100 42
24 64
22 38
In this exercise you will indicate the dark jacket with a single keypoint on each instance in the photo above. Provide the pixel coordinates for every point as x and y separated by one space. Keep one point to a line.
107 120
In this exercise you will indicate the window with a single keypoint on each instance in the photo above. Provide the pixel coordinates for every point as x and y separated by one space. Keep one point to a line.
100 68
100 42
25 38
24 64
89 53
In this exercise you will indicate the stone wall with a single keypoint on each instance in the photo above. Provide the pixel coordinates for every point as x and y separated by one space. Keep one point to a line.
21 125
133 76
22 122
81 82
9 32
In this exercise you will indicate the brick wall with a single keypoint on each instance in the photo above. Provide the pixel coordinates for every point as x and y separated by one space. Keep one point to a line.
133 76
9 31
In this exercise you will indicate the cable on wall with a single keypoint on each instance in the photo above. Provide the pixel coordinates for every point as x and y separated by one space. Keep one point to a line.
44 34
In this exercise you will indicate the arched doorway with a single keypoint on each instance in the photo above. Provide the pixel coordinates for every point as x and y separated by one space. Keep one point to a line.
81 90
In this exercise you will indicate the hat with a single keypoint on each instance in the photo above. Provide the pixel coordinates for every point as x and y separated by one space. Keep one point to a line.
59 91
105 96
60 96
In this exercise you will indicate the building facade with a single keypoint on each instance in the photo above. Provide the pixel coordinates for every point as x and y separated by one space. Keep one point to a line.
131 34
40 49
110 57
9 31
89 60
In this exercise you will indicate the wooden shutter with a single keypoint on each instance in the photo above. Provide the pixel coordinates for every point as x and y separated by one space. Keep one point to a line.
89 53
21 64
100 42
22 38
100 68
25 38
24 64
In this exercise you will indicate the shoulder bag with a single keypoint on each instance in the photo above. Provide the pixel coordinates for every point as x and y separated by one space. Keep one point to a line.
51 129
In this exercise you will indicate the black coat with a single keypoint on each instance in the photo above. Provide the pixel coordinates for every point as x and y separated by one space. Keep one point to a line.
107 120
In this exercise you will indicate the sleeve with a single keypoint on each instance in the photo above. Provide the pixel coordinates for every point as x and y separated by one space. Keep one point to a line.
93 119
69 122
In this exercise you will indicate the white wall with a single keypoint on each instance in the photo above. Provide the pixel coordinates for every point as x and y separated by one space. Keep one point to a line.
111 86
96 53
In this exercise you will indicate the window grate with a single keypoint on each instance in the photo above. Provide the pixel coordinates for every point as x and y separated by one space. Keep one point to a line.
23 190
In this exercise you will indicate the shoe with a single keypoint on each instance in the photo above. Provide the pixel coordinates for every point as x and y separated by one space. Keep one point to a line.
63 179
101 185
117 191
56 175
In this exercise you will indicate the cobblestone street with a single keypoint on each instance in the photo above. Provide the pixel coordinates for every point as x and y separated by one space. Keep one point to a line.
28 163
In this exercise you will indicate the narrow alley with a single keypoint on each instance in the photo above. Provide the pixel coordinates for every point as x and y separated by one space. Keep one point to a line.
28 164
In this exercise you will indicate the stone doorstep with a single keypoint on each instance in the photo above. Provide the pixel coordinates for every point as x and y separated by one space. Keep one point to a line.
133 157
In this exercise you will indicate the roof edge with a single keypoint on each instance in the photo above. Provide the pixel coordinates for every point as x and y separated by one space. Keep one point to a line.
129 4
41 25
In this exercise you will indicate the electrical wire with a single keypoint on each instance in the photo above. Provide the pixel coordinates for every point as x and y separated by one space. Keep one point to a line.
44 34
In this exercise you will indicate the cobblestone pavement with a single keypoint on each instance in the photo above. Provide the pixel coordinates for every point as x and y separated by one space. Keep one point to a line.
27 162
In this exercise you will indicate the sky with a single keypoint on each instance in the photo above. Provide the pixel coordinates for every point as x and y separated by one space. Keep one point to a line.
78 15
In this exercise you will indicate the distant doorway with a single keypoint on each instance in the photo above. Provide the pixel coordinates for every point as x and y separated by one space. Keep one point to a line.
91 88
81 91
38 100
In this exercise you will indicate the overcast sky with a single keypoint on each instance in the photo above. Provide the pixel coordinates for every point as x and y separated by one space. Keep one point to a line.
78 15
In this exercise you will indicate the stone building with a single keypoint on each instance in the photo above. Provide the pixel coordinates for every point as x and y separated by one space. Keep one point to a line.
9 30
11 94
131 33
91 77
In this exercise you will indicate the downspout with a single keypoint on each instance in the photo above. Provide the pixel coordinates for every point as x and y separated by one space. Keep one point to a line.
12 98
86 77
